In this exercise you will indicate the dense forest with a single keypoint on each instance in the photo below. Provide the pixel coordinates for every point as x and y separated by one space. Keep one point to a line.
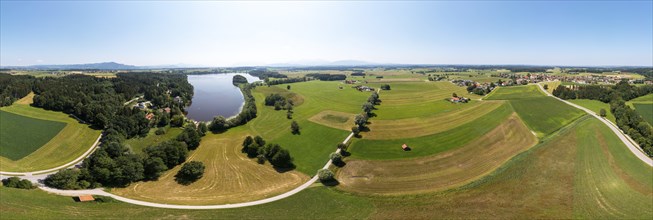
264 74
13 88
628 120
100 101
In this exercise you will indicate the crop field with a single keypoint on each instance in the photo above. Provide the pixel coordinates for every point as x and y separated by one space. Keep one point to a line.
515 93
416 127
645 110
23 135
441 171
312 203
230 176
572 175
545 115
138 144
69 143
430 144
595 106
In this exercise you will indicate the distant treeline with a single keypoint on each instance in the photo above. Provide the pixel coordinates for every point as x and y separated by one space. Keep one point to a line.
264 74
327 77
627 118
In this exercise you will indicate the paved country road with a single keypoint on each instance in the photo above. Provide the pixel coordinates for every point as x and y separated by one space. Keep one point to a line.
632 146
39 178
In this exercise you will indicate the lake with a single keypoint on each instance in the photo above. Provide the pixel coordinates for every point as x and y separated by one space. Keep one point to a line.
215 95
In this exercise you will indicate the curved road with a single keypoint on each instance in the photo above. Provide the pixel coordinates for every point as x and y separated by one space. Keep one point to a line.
39 178
632 146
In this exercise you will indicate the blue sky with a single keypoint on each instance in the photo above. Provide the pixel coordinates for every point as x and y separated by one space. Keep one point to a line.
258 33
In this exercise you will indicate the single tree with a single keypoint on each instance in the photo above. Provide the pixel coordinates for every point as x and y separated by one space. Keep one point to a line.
368 107
454 95
360 120
202 128
294 127
218 124
190 172
546 86
288 87
177 121
603 113
325 175
336 158
355 130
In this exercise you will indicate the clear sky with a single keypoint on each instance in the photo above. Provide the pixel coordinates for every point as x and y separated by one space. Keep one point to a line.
257 33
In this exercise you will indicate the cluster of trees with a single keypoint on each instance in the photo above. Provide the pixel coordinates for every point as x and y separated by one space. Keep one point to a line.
327 77
437 77
13 88
284 80
478 90
279 102
275 154
358 73
628 120
265 74
385 87
15 182
113 164
99 101
238 79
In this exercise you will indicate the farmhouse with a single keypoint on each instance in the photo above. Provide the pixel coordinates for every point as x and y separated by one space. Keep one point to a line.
149 116
405 147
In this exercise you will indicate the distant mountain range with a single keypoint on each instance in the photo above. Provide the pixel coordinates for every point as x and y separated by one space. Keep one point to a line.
97 66
325 63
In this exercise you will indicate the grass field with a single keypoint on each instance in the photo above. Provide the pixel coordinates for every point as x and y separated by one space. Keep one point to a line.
572 175
595 106
138 144
441 171
71 142
230 176
545 115
340 120
645 110
311 148
23 135
422 126
430 144
312 203
515 93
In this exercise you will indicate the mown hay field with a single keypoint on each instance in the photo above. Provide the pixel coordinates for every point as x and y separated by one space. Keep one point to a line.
430 144
441 171
229 177
583 171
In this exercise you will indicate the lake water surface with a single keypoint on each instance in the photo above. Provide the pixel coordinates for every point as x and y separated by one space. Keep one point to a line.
215 95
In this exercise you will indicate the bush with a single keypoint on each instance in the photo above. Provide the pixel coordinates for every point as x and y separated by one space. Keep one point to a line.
15 182
260 159
325 175
385 87
64 179
160 131
190 172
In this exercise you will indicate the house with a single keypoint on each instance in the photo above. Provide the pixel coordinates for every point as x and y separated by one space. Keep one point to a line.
149 116
178 99
405 147
167 110
85 198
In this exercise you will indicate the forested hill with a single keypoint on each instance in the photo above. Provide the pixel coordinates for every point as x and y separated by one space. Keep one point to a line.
99 101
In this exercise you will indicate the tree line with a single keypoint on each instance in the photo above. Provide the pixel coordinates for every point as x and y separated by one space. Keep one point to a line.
327 77
628 120
13 88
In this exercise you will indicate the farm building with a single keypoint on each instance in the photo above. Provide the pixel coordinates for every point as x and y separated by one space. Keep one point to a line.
85 198
149 116
405 147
